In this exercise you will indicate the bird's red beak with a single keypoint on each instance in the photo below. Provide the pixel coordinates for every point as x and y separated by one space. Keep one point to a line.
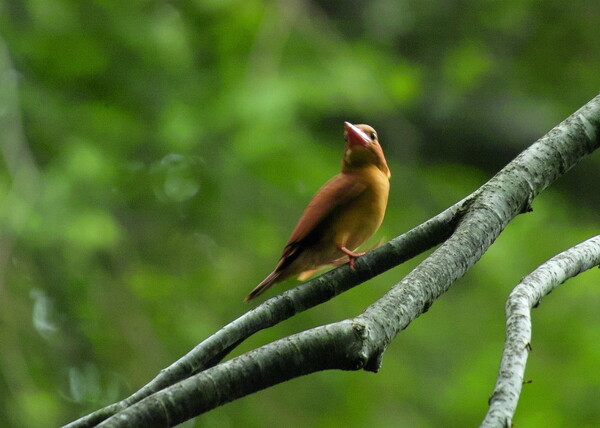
356 135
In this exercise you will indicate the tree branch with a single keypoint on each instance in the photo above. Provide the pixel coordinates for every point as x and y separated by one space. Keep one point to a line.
526 295
468 228
285 305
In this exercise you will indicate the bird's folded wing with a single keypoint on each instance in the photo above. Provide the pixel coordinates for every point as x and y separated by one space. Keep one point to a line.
338 191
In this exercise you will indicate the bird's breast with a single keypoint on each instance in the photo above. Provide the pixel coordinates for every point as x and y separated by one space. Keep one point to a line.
360 218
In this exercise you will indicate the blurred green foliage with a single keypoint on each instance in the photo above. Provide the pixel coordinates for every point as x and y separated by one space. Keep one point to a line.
156 154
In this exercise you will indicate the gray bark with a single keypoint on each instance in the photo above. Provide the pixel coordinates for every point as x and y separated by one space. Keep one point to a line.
525 296
197 383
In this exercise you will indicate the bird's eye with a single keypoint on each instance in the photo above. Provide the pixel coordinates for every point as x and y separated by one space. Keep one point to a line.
373 136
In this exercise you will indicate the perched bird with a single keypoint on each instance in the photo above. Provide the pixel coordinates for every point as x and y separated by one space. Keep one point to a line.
343 214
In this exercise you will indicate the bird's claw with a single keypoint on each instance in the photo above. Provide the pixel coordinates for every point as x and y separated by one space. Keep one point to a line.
352 256
351 262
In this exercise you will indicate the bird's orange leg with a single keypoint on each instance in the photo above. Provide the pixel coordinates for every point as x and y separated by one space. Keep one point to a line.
351 255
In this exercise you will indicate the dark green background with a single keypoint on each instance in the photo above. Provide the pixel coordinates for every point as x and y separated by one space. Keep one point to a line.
156 155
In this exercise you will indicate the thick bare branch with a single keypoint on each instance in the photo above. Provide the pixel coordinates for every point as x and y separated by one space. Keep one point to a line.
480 222
285 305
506 195
335 346
526 295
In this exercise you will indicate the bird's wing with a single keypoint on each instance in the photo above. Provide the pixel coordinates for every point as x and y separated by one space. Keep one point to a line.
338 191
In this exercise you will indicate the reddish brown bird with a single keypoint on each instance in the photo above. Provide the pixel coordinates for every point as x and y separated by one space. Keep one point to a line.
343 214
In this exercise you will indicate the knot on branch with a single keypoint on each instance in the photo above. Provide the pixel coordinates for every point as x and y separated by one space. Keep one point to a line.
369 357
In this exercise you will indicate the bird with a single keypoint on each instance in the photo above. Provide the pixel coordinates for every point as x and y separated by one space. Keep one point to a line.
345 212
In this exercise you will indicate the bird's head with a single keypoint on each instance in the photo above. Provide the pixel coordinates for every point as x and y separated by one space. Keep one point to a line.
363 148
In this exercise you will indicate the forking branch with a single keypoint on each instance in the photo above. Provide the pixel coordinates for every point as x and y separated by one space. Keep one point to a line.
197 382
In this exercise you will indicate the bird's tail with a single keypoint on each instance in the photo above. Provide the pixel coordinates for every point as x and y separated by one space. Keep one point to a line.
265 284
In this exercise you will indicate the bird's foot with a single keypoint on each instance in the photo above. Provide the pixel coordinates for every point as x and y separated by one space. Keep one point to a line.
352 256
